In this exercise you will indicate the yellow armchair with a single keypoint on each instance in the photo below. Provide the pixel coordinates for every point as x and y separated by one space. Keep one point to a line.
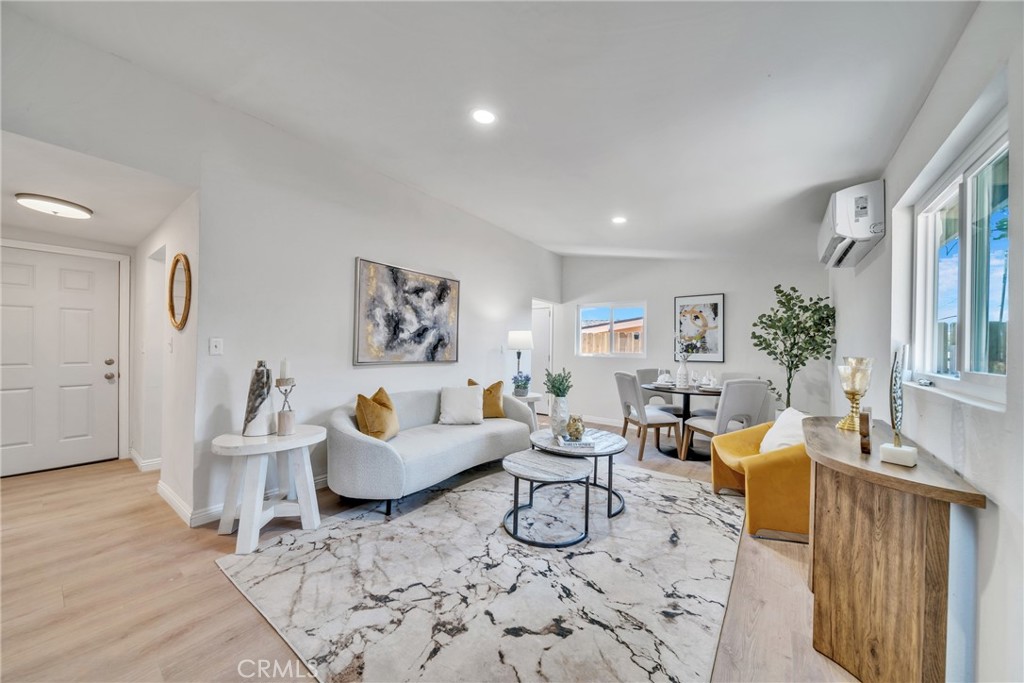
777 484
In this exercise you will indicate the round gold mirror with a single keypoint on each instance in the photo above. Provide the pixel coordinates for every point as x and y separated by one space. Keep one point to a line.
179 291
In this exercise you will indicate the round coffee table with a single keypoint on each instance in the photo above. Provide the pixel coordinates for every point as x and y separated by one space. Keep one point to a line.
606 445
545 470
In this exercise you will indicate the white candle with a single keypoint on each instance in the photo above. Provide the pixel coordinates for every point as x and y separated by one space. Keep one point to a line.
284 369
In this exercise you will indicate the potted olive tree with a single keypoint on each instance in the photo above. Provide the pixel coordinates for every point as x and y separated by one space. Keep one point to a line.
795 331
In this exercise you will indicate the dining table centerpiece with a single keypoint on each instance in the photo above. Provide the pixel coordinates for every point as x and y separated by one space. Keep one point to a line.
684 348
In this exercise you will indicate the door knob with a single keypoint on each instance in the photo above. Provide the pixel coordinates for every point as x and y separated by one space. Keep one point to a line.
109 375
109 361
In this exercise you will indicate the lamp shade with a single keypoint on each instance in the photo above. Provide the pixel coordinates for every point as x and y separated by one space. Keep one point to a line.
520 340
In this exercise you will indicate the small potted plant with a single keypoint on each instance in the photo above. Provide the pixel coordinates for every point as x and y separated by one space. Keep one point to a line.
558 385
520 384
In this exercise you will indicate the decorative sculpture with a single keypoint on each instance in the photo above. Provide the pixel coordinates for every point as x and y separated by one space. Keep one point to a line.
896 452
260 418
575 427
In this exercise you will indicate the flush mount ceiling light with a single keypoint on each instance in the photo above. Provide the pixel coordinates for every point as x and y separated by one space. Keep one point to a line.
53 206
483 116
619 220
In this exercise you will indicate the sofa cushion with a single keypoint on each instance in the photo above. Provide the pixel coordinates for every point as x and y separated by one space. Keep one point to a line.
376 415
435 452
462 405
492 399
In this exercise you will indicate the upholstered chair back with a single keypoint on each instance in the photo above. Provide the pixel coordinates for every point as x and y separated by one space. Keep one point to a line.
741 400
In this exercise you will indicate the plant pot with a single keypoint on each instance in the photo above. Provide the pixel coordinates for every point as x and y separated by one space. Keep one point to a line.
559 416
521 391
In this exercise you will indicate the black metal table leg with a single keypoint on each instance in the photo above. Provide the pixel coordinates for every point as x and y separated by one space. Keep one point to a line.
515 505
611 459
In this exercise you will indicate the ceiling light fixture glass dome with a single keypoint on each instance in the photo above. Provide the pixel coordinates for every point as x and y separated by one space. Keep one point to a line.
53 206
484 116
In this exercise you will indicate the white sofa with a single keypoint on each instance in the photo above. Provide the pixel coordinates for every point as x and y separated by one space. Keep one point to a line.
423 453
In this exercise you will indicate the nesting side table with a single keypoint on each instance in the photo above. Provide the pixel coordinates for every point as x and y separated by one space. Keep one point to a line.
250 458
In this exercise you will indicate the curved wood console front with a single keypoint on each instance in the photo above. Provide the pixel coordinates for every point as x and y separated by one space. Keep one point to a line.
880 554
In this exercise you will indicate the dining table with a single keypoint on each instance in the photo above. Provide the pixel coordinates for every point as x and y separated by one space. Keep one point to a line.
682 411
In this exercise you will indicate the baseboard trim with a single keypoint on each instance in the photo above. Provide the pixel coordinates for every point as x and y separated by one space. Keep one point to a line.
213 513
142 464
605 421
174 500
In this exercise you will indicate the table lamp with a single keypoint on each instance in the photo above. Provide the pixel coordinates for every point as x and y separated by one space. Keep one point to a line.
519 341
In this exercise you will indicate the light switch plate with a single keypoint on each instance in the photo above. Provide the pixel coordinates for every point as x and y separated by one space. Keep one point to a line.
216 346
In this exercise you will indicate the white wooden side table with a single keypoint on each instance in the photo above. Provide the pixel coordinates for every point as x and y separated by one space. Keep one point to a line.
531 400
251 455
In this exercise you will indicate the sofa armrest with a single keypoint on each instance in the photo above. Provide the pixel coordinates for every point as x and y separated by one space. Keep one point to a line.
519 411
360 466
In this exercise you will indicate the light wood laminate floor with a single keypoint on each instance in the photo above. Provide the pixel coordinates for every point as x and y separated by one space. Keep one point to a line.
101 581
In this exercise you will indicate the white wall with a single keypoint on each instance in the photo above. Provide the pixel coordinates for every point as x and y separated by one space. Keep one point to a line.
281 222
983 443
178 233
748 293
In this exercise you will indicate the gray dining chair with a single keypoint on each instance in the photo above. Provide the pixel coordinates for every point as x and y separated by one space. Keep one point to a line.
649 376
635 411
739 406
726 376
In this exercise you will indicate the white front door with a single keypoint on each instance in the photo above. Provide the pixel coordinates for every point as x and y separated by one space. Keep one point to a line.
59 359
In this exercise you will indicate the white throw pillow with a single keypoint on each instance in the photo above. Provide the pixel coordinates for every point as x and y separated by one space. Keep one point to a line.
462 405
788 430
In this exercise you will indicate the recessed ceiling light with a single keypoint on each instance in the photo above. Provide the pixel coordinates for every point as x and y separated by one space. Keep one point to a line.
53 206
619 220
483 116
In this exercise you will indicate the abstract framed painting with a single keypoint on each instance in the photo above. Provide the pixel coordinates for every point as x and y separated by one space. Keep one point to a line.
700 321
404 316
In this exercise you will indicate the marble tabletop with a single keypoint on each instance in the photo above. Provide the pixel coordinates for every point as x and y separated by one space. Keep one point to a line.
605 443
536 466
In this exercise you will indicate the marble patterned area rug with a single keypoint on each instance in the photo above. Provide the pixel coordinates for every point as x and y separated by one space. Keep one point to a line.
441 593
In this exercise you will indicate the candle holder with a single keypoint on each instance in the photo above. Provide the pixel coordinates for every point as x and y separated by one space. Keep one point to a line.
855 376
286 416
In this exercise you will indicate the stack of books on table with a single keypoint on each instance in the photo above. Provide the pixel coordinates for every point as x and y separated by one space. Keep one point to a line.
582 445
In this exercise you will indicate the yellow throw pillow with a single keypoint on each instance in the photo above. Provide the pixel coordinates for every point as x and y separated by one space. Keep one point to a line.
492 399
376 416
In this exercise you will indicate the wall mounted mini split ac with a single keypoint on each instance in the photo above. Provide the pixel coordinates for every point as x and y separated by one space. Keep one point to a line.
854 223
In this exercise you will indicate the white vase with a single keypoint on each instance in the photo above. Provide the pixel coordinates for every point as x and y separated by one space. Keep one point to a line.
682 374
559 415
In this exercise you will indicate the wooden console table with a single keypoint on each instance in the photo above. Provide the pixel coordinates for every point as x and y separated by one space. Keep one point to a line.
880 554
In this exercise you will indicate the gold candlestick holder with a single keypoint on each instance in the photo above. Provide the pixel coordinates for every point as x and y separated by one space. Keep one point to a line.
855 375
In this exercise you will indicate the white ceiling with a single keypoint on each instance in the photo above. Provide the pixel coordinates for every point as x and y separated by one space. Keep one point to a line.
715 127
127 203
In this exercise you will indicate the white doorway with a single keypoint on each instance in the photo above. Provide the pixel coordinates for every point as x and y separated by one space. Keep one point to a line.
60 358
543 342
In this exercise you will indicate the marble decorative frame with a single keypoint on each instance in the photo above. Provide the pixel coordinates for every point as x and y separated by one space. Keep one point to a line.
701 317
404 316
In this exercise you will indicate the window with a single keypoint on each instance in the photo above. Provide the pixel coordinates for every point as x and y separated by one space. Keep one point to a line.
961 263
611 330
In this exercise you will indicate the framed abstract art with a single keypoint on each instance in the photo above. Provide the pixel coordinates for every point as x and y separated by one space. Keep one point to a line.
404 316
700 325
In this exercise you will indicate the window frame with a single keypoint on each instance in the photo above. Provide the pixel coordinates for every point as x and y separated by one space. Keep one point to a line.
611 306
984 149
